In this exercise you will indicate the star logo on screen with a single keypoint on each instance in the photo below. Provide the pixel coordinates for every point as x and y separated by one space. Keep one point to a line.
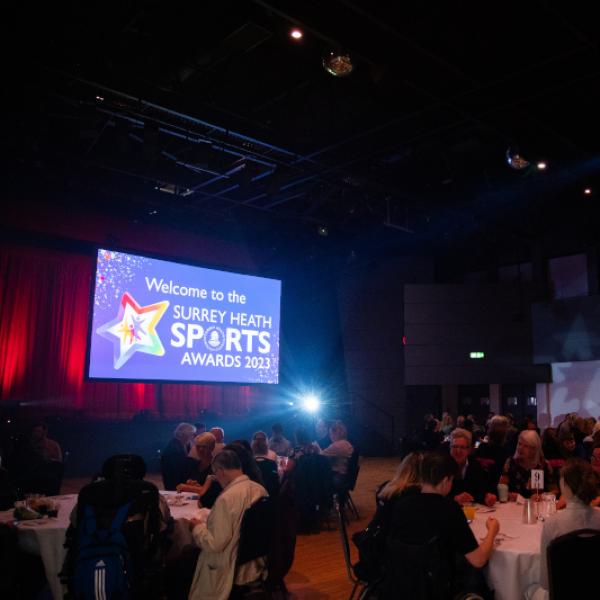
134 329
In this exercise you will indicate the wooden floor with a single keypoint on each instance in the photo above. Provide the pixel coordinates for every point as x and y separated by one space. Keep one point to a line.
319 572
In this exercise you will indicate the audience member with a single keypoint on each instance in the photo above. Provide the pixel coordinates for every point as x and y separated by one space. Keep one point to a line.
432 436
406 480
578 487
260 447
216 571
567 446
250 467
46 448
219 434
278 443
517 469
447 424
493 447
199 478
339 451
471 483
550 443
419 518
322 431
173 459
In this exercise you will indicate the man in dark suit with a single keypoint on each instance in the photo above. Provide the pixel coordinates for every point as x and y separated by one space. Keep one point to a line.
472 483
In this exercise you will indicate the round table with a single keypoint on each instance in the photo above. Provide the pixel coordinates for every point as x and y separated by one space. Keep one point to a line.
46 537
515 562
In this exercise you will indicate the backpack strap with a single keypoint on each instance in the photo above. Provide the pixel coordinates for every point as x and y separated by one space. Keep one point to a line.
120 518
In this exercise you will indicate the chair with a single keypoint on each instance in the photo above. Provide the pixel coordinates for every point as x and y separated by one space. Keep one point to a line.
349 483
256 532
356 581
572 559
423 571
313 490
142 527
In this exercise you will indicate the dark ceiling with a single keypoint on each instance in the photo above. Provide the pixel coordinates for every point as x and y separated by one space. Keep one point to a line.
206 114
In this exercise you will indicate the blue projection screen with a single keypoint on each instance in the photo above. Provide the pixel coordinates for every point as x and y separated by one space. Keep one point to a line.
155 320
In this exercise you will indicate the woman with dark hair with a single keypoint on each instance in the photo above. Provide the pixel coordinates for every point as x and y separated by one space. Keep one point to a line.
578 486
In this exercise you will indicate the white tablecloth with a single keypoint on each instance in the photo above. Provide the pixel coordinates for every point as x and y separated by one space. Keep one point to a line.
46 537
515 562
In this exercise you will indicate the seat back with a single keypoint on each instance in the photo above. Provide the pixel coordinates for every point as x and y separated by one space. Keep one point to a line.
353 469
424 571
124 466
141 528
268 469
572 559
256 531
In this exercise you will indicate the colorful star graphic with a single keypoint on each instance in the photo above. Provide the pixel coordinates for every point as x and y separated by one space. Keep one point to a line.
134 329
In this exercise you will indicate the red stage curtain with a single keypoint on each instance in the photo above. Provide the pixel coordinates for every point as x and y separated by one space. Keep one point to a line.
44 303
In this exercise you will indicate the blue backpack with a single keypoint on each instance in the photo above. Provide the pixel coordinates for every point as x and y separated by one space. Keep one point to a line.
103 565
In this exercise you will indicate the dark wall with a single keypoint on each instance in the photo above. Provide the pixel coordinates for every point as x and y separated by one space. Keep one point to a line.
444 323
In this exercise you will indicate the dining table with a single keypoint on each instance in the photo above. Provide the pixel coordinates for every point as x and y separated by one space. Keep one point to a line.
45 537
515 561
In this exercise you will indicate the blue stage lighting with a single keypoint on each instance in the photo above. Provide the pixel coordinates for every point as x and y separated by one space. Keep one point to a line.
310 403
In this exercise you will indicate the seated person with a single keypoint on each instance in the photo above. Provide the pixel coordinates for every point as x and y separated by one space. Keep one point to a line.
322 427
260 447
218 537
278 443
578 485
406 480
493 447
46 448
219 434
471 483
199 479
173 457
419 518
339 452
517 469
567 446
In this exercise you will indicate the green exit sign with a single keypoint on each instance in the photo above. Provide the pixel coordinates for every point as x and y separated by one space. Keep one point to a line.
477 354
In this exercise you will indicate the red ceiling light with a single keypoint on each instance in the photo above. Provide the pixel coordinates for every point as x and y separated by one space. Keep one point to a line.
296 34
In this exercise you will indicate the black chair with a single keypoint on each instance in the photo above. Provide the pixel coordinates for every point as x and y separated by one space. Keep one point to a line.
268 469
425 571
573 553
313 491
256 532
349 483
365 587
142 529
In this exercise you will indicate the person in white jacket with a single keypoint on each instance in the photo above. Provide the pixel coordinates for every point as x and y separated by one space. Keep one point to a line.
218 537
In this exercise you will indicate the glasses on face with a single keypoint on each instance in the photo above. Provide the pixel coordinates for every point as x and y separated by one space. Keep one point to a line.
456 447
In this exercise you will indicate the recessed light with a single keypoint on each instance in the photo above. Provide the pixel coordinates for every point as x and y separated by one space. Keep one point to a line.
587 191
541 165
296 34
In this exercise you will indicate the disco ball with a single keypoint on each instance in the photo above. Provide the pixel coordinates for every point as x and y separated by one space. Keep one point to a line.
515 160
338 65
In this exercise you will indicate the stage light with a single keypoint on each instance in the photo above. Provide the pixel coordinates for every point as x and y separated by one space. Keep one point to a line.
310 403
541 165
296 34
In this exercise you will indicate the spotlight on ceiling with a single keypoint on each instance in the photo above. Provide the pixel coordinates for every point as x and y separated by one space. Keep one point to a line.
515 160
310 403
587 191
541 165
338 64
296 34
322 230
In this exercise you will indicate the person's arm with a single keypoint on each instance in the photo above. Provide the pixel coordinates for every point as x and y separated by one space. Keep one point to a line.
479 557
217 532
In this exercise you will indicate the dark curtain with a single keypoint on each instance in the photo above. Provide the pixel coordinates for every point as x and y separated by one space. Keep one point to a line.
44 304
